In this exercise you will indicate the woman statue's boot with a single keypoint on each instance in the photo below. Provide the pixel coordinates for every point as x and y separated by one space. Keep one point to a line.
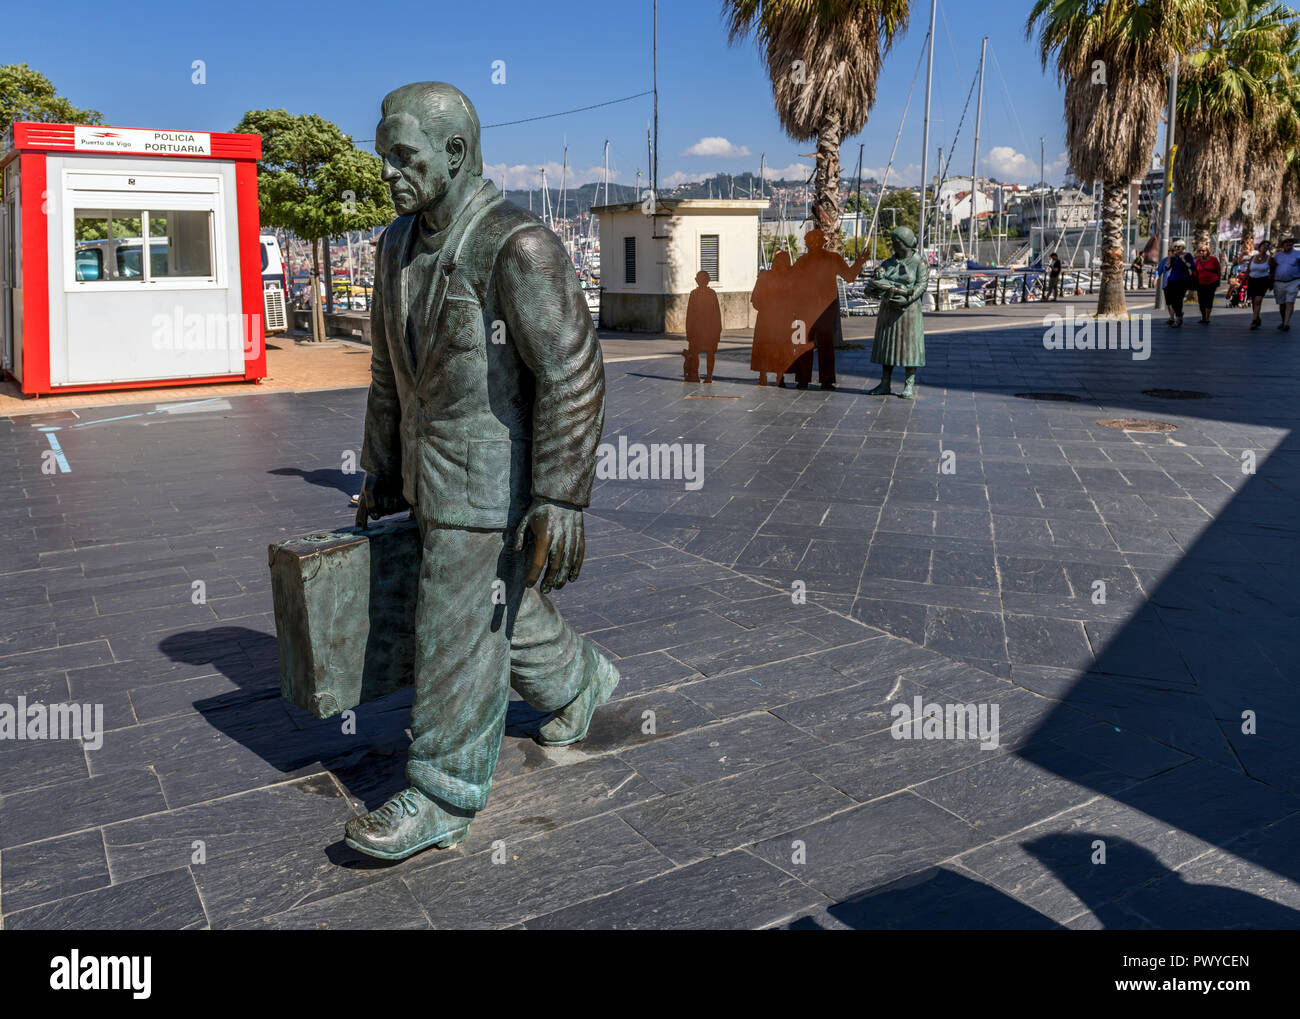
883 389
909 385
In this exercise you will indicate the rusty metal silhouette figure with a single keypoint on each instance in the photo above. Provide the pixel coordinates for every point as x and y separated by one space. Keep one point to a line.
703 329
778 337
815 273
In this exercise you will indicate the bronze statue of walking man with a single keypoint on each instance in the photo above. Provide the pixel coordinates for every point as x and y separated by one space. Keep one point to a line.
485 409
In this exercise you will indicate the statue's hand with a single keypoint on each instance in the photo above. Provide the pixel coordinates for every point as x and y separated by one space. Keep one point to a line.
378 499
558 543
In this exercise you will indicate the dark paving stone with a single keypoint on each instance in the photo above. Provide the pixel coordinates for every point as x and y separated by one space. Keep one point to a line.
383 905
716 751
161 902
870 845
735 891
537 875
84 803
227 828
767 686
945 899
53 869
1009 792
712 819
1053 866
851 712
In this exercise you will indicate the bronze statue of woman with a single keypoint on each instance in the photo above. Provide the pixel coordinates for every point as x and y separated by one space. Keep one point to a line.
899 282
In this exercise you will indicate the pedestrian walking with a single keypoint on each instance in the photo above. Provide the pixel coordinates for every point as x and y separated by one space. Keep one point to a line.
1176 275
1209 271
1054 278
1285 266
1258 281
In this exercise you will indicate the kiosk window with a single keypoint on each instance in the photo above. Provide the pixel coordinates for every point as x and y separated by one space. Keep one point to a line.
109 244
180 243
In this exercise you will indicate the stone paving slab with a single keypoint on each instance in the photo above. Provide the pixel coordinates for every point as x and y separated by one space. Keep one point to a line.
768 622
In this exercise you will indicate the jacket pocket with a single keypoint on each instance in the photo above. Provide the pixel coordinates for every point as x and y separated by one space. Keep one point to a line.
487 467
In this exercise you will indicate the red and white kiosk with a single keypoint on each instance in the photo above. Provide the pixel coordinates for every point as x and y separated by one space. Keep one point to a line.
129 258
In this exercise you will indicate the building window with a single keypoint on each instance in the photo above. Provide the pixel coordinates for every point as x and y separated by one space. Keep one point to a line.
709 256
109 244
629 259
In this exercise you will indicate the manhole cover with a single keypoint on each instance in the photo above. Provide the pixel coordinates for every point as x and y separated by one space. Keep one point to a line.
1176 394
1137 425
1057 397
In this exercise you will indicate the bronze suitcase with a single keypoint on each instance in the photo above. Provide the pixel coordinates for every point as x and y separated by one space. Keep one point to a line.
345 614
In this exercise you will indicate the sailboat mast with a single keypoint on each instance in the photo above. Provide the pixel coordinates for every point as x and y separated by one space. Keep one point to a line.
654 157
975 158
925 130
564 179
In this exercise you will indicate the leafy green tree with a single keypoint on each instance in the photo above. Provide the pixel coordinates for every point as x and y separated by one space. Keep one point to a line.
313 181
26 94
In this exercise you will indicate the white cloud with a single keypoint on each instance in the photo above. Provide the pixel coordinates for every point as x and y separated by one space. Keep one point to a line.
673 179
795 171
1007 164
525 176
899 176
718 148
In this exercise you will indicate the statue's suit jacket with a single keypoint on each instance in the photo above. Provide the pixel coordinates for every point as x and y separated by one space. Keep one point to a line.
487 384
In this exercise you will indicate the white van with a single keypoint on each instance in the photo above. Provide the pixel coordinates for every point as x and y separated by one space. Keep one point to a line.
275 286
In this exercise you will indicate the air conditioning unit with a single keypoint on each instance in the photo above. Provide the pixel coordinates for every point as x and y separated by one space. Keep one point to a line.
277 320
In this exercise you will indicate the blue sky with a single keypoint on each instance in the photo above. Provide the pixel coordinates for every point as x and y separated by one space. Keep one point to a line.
715 106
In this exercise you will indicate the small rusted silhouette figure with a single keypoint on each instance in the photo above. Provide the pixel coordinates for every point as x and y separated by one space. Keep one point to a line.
703 329
776 333
819 306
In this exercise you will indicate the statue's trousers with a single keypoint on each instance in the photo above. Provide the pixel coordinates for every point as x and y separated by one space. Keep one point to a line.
478 632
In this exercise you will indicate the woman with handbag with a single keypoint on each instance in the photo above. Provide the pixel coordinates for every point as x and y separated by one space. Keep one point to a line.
1176 274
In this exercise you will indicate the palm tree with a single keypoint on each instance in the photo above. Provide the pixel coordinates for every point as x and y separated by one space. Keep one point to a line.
1227 98
823 59
1112 57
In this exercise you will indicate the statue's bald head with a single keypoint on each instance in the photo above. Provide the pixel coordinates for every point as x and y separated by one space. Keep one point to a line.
443 112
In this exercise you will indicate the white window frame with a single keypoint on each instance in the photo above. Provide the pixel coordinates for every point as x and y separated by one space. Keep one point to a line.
203 194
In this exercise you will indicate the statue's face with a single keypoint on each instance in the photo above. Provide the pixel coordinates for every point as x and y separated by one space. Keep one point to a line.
900 249
415 169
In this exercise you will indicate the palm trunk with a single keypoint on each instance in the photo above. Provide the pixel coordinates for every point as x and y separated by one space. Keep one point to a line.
1202 236
1110 296
826 200
1247 234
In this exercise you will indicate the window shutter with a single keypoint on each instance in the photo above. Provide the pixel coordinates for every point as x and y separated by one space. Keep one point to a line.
629 259
709 256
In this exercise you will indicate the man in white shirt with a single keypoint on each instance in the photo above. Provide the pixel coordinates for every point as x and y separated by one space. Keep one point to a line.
1285 272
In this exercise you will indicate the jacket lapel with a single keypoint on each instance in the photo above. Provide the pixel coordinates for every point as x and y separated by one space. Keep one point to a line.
395 311
469 214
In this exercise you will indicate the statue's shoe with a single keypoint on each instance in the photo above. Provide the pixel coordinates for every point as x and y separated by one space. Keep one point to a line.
909 391
571 722
407 824
881 390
